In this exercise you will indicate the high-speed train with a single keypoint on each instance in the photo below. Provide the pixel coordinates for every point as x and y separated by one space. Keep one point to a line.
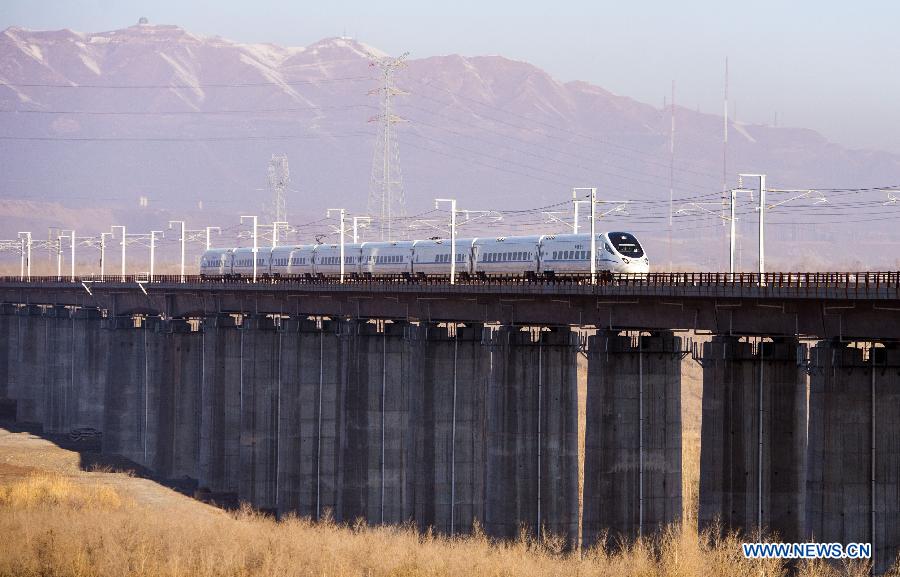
546 256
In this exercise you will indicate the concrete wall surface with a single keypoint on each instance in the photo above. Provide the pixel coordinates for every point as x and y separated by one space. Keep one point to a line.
633 437
753 448
853 477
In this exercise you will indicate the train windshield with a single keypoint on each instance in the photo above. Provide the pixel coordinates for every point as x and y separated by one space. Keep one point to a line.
626 244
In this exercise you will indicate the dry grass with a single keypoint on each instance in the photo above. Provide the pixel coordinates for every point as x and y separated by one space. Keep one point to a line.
50 490
53 526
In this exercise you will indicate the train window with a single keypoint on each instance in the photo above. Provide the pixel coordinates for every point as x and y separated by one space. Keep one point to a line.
626 244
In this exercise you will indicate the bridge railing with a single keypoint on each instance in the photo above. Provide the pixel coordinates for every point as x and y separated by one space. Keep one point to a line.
813 284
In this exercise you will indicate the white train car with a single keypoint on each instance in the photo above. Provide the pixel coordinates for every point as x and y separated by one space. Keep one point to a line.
301 264
385 258
504 256
628 256
528 256
432 257
216 262
242 262
326 260
280 262
563 254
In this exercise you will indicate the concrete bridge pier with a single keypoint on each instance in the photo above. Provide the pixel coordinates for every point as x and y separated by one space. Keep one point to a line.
853 478
220 415
753 438
8 342
260 389
450 421
378 459
26 364
312 381
54 395
127 424
90 346
532 434
53 366
633 438
175 367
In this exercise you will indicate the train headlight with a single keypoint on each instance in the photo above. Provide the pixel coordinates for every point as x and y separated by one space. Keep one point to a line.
646 260
625 259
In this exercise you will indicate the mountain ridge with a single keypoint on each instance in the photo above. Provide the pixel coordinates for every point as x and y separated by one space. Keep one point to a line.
190 121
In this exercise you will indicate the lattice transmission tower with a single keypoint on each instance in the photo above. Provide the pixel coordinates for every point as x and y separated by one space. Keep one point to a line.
386 187
279 175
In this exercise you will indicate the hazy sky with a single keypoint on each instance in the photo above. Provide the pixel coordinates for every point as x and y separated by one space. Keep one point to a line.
827 65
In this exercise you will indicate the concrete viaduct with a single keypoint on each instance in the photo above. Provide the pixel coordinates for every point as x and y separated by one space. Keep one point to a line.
450 404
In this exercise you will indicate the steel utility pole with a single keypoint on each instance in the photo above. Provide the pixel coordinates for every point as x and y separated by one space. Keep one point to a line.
593 202
123 249
356 221
576 203
209 229
386 193
762 215
452 202
153 234
733 239
25 271
342 213
275 226
71 235
59 257
179 222
103 236
255 245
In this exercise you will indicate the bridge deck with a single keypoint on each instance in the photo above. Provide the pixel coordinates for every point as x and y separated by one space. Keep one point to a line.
824 305
805 286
